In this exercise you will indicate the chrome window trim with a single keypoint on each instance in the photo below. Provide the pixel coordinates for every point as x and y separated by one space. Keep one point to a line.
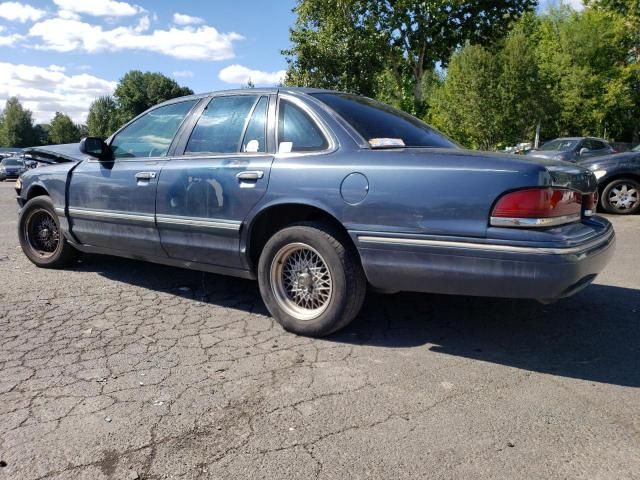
376 240
209 156
533 222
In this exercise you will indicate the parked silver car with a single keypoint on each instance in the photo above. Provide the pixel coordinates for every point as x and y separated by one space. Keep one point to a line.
572 149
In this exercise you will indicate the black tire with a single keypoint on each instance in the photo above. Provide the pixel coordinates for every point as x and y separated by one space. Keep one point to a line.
40 236
608 194
343 271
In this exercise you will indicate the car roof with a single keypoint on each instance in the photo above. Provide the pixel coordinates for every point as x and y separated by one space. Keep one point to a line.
257 91
579 138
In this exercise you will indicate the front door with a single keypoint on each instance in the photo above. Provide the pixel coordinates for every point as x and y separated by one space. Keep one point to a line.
112 203
205 193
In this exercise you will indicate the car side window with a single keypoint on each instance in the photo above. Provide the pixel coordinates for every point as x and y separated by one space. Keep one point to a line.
220 128
597 145
297 132
151 135
255 138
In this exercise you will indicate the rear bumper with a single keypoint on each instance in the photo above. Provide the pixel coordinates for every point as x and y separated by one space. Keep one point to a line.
420 264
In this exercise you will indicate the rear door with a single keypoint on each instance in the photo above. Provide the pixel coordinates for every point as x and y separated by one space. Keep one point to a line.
112 203
222 171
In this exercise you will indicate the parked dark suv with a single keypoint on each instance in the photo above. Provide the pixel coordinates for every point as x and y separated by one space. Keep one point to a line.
573 149
12 167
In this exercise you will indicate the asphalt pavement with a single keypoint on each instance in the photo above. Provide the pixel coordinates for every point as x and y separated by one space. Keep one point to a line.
117 369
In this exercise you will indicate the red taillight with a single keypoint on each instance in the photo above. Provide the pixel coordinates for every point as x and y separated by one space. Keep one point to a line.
537 207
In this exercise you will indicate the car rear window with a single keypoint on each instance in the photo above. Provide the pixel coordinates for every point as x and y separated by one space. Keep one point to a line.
384 126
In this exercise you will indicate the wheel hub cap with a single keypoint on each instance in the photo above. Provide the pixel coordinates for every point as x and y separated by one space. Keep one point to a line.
301 281
624 197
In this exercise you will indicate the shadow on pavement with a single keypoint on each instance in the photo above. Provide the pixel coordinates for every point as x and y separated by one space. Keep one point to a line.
593 336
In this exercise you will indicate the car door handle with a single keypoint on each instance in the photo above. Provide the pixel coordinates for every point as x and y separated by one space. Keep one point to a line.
145 175
250 175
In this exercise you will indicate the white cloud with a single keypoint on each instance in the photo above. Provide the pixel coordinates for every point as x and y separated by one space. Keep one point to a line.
98 8
240 75
10 40
46 90
20 12
201 43
183 74
182 19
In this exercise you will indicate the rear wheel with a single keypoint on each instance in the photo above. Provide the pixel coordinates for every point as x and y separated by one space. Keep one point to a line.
311 279
40 236
621 196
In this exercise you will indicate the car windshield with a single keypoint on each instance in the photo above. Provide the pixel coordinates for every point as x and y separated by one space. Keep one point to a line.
636 148
383 126
560 145
10 162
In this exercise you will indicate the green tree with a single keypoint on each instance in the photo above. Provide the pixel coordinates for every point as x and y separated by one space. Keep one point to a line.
63 130
349 43
467 106
41 131
583 59
138 91
523 98
335 47
103 118
16 125
629 10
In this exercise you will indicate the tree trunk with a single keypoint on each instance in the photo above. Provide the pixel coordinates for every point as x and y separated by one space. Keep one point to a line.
418 75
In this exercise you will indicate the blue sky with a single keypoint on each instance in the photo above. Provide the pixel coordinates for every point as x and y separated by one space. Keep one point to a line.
58 55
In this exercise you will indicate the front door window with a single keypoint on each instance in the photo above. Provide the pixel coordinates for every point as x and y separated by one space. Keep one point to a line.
151 135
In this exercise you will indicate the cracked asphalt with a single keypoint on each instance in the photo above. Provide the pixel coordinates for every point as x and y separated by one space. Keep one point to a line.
117 369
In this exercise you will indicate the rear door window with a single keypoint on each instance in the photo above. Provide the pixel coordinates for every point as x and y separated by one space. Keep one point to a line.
222 124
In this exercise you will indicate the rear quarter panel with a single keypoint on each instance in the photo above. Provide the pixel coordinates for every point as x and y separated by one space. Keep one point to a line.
436 192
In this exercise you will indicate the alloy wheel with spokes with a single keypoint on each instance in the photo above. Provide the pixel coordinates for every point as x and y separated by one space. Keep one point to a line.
301 281
622 196
41 233
41 238
311 279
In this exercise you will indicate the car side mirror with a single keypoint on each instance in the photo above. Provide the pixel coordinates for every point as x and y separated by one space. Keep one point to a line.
95 147
583 150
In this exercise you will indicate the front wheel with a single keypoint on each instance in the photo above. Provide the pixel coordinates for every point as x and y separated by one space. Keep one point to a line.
621 196
311 279
40 236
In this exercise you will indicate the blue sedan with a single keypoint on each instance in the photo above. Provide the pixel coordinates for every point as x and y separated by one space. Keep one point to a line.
316 194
